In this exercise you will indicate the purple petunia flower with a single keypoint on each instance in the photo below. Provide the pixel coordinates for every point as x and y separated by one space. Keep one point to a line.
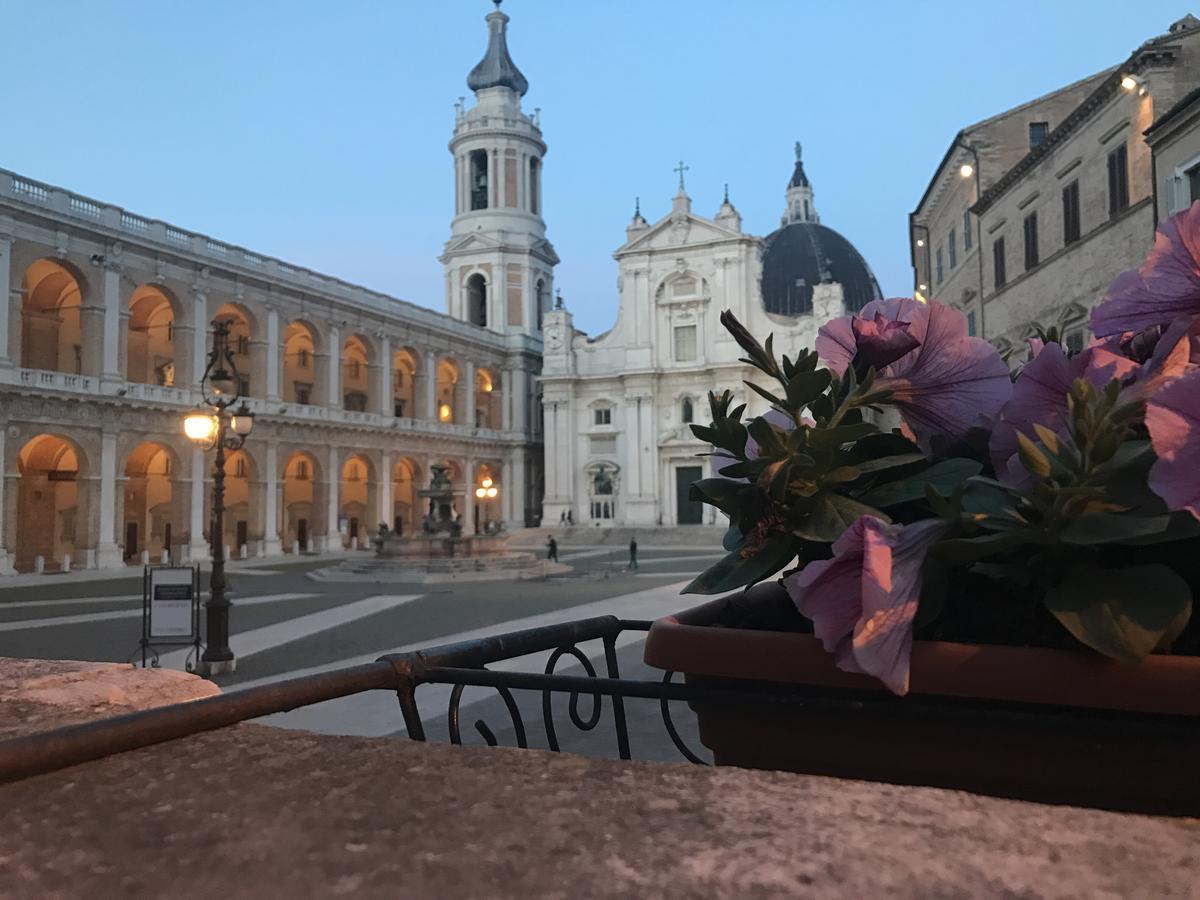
863 601
881 341
942 386
1167 284
1173 419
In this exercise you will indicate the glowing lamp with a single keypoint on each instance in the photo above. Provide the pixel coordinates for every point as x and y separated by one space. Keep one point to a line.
200 427
487 482
480 493
445 413
492 492
1129 83
243 420
966 170
920 242
923 287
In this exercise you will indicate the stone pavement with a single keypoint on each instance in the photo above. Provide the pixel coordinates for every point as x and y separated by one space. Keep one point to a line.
261 812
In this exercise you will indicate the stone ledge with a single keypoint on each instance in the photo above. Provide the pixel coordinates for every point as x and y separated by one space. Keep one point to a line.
253 811
42 694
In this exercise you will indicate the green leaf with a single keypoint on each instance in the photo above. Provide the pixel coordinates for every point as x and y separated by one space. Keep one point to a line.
1048 438
804 387
883 444
889 462
734 571
944 477
1032 458
1122 613
1183 526
832 514
843 434
1112 528
964 551
719 492
762 392
733 539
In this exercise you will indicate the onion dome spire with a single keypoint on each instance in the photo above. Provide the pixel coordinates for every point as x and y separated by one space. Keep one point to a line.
497 69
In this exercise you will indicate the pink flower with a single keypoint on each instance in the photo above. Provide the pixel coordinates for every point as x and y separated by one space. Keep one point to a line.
1040 397
1166 286
863 601
881 341
942 386
1173 419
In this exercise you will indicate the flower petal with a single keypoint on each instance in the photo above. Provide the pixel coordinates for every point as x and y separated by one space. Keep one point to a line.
1173 419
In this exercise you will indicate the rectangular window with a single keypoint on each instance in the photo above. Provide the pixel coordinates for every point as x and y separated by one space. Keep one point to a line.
604 416
303 358
243 344
303 394
1031 241
1070 196
685 343
1118 180
939 265
1074 342
1193 177
998 262
398 409
1037 133
971 324
967 233
952 246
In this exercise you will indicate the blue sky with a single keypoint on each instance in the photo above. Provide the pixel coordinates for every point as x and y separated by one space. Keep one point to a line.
316 132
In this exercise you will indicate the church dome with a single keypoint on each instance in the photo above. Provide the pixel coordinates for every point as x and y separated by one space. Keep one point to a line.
497 69
801 255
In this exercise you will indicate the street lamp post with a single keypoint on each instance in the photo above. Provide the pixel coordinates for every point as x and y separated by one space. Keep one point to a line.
487 490
224 428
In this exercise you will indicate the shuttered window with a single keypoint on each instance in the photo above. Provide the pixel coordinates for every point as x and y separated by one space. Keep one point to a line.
1070 200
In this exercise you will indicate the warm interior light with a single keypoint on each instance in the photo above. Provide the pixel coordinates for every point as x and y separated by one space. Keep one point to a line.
487 387
492 492
200 427
445 413
920 242
919 297
923 287
480 493
1129 82
967 170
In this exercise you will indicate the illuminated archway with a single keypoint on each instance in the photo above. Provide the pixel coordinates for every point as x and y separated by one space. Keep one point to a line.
356 501
356 376
302 380
51 505
153 517
302 498
404 387
51 323
446 395
407 512
150 340
487 399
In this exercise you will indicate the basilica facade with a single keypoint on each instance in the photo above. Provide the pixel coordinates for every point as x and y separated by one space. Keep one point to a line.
105 329
618 407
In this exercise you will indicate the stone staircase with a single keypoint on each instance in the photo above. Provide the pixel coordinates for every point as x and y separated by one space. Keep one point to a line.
376 570
706 537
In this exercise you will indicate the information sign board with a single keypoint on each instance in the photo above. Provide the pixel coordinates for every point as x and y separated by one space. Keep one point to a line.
172 603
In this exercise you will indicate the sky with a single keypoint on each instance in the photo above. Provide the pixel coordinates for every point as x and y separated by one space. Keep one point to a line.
316 132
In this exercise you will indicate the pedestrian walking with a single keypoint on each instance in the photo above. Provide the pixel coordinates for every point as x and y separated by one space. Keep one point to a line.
562 519
633 553
552 550
570 517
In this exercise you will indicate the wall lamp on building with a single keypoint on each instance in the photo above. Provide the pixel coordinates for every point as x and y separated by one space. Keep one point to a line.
1132 83
218 425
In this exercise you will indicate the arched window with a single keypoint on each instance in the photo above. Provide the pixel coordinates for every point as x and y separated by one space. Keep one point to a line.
541 302
687 412
477 300
479 179
534 185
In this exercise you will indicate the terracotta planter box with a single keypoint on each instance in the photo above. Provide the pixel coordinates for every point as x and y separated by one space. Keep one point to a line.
1053 726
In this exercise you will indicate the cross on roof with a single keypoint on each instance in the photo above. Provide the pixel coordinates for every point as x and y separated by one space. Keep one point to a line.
681 168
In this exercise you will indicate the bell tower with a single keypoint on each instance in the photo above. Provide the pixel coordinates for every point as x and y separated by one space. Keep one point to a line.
499 267
800 206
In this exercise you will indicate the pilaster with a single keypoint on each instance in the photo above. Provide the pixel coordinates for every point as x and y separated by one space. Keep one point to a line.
273 346
334 369
108 554
272 546
6 297
386 403
197 546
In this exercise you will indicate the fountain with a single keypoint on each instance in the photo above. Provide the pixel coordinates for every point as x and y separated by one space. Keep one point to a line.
440 551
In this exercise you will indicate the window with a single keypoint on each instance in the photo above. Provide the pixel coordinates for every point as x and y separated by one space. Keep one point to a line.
398 409
302 358
1031 241
534 170
479 180
967 231
1037 133
687 412
971 324
998 262
940 273
603 416
355 401
1071 213
952 246
353 369
243 344
302 470
1118 180
1074 342
685 343
239 471
303 394
1193 177
243 386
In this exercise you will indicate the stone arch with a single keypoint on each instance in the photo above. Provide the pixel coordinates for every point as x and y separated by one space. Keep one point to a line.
407 511
489 402
357 490
303 502
304 379
243 503
249 352
150 352
405 372
476 299
446 396
357 361
51 505
153 502
52 317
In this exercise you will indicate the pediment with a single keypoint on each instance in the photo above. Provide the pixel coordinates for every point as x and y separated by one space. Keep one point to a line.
466 242
679 231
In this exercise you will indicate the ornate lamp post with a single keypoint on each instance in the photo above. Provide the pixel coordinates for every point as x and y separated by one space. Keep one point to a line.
487 490
219 427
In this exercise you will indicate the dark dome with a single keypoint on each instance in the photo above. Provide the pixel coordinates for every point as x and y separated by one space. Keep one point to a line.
497 69
803 254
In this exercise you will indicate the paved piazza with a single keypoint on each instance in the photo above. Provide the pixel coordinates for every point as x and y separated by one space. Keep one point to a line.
285 623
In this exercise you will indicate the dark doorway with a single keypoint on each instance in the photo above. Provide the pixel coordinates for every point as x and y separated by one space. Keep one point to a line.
302 534
167 537
398 526
243 537
131 540
353 528
687 511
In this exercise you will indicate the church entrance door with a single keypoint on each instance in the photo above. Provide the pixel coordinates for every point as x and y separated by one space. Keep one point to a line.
687 511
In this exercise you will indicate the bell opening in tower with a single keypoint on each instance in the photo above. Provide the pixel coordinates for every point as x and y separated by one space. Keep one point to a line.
479 179
477 300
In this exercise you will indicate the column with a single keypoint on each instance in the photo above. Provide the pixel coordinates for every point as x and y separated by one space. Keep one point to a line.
631 484
271 542
199 341
197 547
333 482
430 392
511 383
273 367
387 407
648 451
5 557
6 297
468 510
383 491
108 554
111 364
467 417
334 369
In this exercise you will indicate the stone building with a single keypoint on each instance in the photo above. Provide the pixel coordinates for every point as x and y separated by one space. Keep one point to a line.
1174 140
618 406
106 329
1032 213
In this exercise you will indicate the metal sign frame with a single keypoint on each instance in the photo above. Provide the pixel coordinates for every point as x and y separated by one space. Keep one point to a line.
150 591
